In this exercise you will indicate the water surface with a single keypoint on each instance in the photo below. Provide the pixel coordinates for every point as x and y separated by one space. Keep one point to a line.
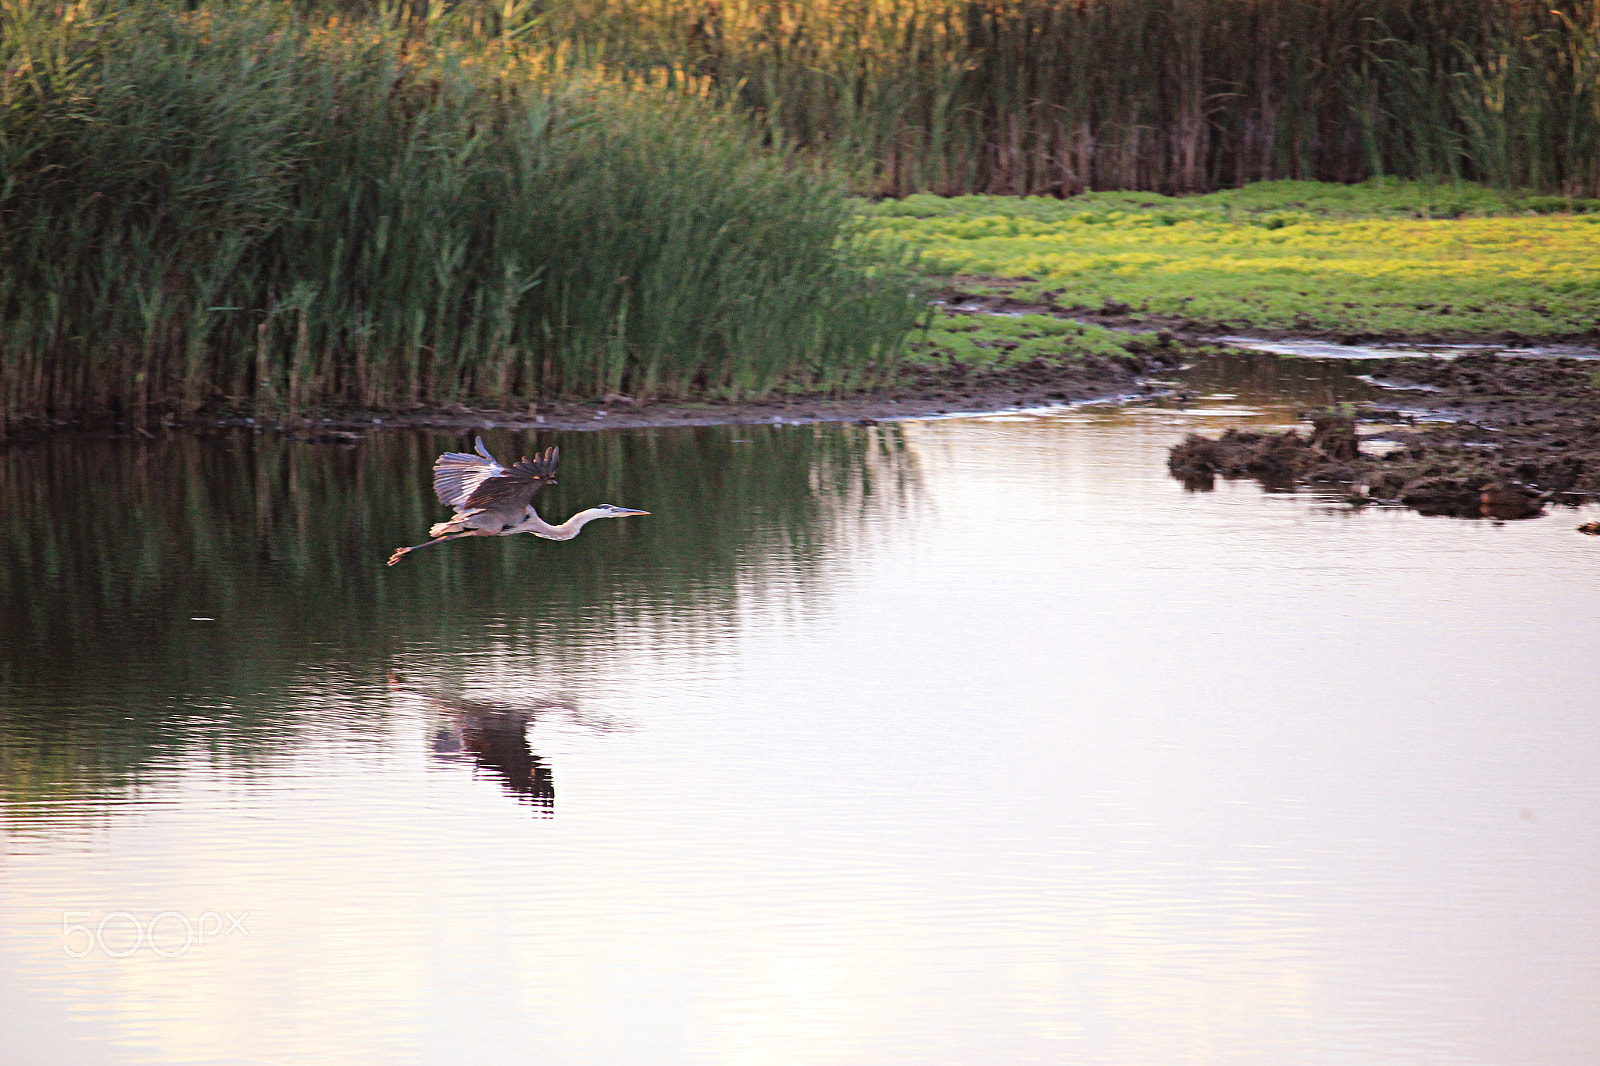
968 740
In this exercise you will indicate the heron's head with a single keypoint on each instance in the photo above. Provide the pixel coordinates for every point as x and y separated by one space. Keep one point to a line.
611 510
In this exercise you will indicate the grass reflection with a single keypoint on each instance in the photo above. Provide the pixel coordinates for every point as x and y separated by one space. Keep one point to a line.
190 597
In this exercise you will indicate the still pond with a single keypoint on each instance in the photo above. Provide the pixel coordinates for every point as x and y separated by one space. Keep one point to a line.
973 740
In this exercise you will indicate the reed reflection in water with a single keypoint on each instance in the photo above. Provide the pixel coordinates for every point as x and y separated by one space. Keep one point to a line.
184 595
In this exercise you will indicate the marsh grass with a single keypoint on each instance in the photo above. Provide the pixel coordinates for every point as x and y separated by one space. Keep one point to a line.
382 204
1061 96
238 207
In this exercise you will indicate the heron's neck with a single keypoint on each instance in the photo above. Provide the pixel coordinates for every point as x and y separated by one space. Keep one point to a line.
565 531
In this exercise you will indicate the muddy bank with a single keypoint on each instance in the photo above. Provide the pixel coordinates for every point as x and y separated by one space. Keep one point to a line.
1489 434
1524 435
919 391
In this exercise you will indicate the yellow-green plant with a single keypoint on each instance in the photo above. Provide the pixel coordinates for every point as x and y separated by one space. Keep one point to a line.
1387 257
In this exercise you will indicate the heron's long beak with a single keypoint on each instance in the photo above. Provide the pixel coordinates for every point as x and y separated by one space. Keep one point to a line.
626 511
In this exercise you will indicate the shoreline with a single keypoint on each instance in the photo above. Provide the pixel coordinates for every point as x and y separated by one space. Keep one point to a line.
919 391
1515 433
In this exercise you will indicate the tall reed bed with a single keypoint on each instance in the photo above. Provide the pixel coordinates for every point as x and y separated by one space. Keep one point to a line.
227 205
1060 96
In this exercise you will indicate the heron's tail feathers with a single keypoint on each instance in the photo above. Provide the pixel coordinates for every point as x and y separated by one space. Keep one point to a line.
456 523
460 522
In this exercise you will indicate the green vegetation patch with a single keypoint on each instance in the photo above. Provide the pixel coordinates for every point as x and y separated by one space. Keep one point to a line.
1387 258
1259 203
995 340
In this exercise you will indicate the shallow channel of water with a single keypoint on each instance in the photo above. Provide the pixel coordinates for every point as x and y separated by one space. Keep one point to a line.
1320 349
968 740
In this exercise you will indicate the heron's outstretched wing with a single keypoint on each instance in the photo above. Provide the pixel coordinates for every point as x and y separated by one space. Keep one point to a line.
512 490
457 475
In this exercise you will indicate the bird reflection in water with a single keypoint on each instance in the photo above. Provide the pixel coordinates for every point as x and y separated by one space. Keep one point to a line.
494 737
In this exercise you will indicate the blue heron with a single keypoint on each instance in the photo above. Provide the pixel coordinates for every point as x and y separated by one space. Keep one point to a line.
495 501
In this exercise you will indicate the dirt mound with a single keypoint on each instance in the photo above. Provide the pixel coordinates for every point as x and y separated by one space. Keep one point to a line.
1280 461
1527 434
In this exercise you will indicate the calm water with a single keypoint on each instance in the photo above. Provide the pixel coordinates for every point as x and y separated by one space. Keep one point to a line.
963 741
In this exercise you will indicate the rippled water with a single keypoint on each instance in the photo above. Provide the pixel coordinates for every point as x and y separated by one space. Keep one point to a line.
970 740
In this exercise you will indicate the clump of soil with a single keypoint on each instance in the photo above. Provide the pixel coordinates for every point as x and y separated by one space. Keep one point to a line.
1527 434
1280 461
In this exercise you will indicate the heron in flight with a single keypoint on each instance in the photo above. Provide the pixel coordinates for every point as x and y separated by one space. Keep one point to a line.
493 501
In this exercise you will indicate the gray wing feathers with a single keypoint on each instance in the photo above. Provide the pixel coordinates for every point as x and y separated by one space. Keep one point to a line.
457 475
467 482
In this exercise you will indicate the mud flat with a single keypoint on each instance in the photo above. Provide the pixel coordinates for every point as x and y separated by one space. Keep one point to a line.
1484 436
918 391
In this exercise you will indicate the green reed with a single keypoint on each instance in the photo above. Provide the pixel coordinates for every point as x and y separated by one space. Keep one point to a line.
241 207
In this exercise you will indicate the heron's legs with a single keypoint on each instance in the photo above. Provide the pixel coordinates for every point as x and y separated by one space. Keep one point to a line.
400 553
